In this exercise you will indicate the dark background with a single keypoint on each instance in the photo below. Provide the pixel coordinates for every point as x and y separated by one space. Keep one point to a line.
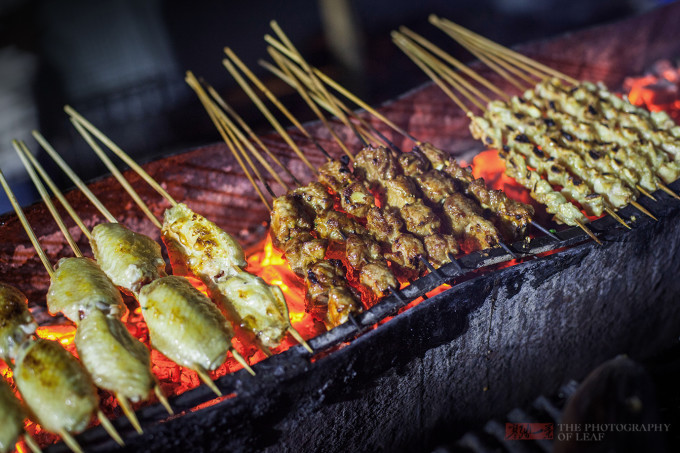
121 63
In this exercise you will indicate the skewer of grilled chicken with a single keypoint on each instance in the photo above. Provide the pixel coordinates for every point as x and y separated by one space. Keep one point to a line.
12 417
633 150
212 255
133 261
329 297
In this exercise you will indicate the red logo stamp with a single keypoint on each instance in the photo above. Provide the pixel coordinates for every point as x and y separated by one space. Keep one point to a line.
529 431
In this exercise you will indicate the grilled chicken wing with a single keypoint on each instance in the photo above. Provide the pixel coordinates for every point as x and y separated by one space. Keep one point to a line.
131 260
16 322
258 306
208 249
79 287
116 360
184 324
55 386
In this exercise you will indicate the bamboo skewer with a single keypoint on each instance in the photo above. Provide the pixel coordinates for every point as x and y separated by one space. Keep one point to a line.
113 147
253 136
446 25
32 444
27 226
193 83
106 424
20 148
122 401
265 111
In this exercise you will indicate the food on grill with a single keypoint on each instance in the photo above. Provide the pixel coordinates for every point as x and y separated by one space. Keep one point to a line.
131 260
218 260
16 322
329 296
12 418
55 386
80 287
117 361
184 324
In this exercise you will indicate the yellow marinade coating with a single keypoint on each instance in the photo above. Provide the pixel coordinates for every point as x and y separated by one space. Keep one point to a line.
209 250
259 307
16 322
55 386
79 287
11 418
116 360
184 324
131 260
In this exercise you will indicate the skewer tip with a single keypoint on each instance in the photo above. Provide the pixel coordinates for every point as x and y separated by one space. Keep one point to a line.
163 399
588 232
32 444
70 441
239 358
295 334
203 375
668 190
129 413
643 209
544 230
617 217
109 428
508 250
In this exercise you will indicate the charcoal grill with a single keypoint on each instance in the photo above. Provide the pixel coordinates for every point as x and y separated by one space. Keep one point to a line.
505 332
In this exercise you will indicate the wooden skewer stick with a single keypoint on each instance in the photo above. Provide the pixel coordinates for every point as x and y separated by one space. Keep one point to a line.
57 193
253 136
109 428
129 413
501 62
295 334
666 189
340 89
27 226
32 444
207 380
643 209
319 87
483 57
297 81
587 231
117 151
203 97
271 96
241 360
162 398
70 441
75 178
332 108
265 111
447 24
20 148
644 192
432 75
453 61
421 43
116 173
616 217
455 80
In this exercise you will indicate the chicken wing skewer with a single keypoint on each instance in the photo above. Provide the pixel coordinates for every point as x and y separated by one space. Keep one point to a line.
117 361
184 325
213 256
52 383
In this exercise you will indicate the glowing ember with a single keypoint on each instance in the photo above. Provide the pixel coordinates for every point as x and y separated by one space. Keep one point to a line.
658 90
